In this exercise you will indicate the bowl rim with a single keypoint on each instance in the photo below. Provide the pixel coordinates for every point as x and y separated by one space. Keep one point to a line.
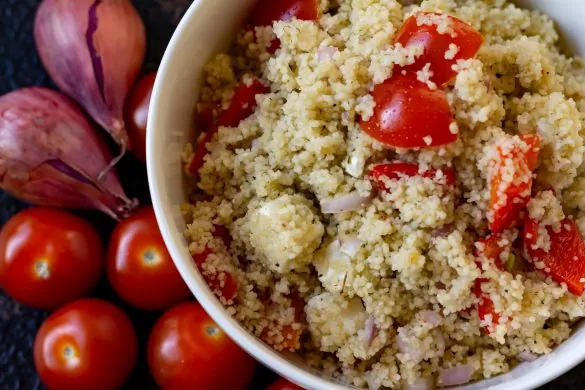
252 345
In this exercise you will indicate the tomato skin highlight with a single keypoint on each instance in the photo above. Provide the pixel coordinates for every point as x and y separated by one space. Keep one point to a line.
566 258
136 114
407 112
49 257
187 350
283 384
467 40
139 267
396 170
242 105
89 341
267 12
506 215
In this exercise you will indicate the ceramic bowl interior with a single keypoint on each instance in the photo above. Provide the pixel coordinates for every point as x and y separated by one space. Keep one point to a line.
206 29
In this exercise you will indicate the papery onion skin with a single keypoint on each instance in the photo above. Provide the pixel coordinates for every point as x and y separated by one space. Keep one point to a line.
93 50
51 156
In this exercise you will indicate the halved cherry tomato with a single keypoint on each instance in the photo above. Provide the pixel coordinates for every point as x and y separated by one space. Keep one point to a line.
565 260
438 46
267 12
409 115
136 114
87 343
516 160
286 337
283 384
187 350
396 170
49 257
140 268
242 105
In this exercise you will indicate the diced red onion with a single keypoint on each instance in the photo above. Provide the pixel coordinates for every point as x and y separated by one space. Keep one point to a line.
457 375
414 353
427 383
431 317
344 203
374 382
443 231
527 356
440 341
371 330
351 246
326 53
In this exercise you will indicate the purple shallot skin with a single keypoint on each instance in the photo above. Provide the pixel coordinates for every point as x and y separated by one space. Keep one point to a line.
93 50
50 155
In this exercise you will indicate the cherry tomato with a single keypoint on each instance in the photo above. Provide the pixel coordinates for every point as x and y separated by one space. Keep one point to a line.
438 46
140 268
268 11
396 170
49 257
136 114
89 342
409 115
565 261
242 105
187 350
517 159
283 384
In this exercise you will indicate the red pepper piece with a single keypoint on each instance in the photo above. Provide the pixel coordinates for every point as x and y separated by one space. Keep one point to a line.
565 260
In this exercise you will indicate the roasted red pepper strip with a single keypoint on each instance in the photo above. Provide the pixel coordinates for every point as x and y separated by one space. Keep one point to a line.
511 180
491 251
442 50
565 260
242 105
396 170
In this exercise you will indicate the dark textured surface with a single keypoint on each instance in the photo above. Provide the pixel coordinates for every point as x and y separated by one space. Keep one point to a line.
20 67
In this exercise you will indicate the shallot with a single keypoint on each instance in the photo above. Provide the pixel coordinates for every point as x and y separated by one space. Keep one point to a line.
457 375
426 383
93 50
51 156
527 356
344 203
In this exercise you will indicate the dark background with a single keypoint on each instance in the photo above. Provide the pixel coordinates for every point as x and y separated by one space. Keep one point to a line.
20 67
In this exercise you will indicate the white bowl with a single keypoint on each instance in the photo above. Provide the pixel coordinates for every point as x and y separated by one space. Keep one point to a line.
206 29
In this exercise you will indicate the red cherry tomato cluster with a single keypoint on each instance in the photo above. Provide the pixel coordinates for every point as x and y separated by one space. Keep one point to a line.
50 259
